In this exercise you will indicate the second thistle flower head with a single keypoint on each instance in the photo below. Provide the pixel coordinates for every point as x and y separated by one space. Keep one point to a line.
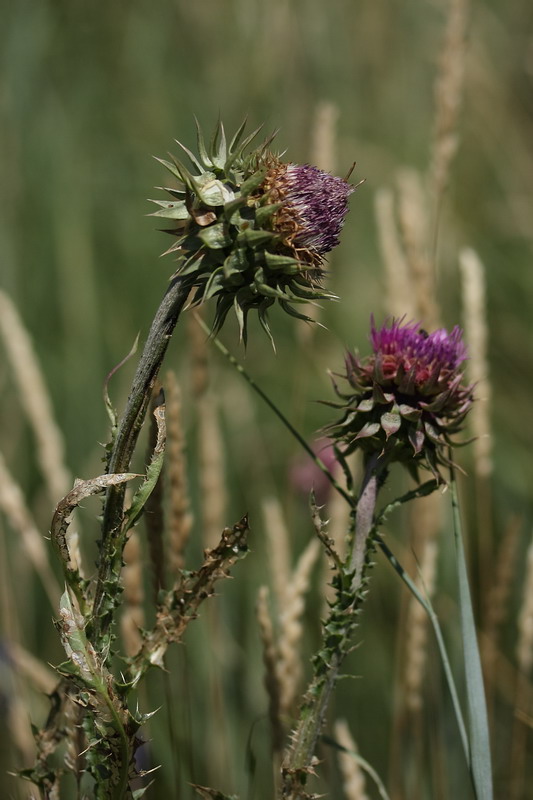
406 399
252 230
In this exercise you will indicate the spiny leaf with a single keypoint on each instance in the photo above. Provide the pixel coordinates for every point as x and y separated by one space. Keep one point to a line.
61 520
152 473
79 650
192 157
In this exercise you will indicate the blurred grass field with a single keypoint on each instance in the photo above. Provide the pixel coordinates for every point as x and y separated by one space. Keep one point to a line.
88 93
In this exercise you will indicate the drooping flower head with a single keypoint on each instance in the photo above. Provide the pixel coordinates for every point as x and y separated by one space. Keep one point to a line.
252 230
407 399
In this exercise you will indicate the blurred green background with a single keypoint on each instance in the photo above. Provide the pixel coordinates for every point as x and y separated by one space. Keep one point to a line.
88 93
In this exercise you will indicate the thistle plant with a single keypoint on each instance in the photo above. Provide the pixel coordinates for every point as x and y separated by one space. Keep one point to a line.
251 230
403 403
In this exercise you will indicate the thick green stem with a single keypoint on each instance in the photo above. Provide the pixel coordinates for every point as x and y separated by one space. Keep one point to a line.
338 632
128 431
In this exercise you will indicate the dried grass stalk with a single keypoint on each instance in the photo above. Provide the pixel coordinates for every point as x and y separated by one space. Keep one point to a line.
180 517
476 337
132 578
324 136
199 379
498 595
38 674
448 97
399 296
524 657
524 648
270 660
505 572
414 226
277 537
35 399
291 628
17 722
13 505
212 470
353 776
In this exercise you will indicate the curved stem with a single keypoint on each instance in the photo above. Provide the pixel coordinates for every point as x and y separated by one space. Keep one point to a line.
128 431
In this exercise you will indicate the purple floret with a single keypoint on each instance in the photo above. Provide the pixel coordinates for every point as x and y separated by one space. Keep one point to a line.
321 201
440 348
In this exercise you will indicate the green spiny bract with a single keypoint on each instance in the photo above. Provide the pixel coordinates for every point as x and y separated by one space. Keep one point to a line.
407 399
252 230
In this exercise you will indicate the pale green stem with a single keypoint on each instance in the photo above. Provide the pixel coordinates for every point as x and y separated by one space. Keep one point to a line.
315 703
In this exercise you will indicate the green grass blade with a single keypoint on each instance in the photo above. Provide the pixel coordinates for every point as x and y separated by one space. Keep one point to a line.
479 739
426 603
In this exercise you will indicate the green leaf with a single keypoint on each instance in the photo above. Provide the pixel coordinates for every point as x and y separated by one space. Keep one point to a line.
255 238
409 413
79 650
369 429
213 192
479 740
237 136
262 312
138 793
170 209
215 236
214 284
61 521
111 412
265 213
293 313
201 146
152 473
219 158
275 262
192 157
390 422
172 168
241 318
253 182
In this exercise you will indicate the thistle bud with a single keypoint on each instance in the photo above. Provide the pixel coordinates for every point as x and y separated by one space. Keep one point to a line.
252 230
407 398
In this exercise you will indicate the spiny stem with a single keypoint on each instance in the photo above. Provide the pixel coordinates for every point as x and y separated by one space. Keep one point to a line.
338 632
364 518
128 431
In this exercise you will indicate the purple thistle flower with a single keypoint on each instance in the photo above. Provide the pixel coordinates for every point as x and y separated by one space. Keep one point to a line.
252 230
313 207
407 398
320 201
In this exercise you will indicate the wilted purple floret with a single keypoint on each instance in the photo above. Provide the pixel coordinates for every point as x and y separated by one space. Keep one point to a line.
321 201
439 349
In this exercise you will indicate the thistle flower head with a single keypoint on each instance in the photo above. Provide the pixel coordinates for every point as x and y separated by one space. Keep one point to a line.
407 399
252 230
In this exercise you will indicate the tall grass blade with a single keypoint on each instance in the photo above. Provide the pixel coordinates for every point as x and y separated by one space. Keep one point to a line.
479 740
